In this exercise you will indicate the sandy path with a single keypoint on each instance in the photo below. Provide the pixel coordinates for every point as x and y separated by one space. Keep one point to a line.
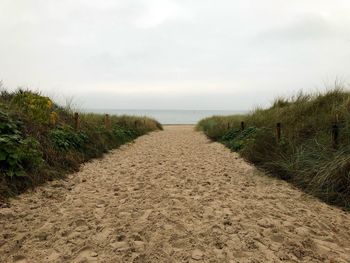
172 196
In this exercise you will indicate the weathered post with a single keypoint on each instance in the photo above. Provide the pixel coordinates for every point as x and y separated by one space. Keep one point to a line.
76 121
335 136
278 132
242 125
107 121
53 119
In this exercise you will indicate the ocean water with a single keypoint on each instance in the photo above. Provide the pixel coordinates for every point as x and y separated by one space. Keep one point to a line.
170 116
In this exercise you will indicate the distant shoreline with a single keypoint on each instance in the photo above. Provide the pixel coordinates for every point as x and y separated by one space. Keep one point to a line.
178 124
173 117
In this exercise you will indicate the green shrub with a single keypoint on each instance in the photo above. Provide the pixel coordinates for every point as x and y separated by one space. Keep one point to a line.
35 106
236 138
124 135
64 139
17 154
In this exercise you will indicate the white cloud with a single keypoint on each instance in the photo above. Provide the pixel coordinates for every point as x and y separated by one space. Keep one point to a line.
138 48
158 12
304 27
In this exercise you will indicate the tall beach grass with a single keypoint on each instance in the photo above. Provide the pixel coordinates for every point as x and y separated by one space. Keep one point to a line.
305 155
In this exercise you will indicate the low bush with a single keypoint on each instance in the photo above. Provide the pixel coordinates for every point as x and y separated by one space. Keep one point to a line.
38 140
18 155
65 139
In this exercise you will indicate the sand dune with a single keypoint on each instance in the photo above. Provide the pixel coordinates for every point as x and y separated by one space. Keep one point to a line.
171 196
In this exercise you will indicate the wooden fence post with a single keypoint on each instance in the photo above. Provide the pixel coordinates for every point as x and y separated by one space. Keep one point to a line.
53 119
278 132
76 121
242 125
335 136
107 121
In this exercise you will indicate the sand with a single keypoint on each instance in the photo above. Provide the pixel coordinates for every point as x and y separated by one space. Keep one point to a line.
172 196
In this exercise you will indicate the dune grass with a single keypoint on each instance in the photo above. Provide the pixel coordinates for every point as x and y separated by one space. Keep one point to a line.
305 154
39 142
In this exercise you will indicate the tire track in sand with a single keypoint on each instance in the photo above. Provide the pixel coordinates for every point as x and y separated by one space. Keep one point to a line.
172 196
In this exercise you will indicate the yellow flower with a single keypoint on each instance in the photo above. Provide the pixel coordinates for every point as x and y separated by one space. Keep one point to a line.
49 104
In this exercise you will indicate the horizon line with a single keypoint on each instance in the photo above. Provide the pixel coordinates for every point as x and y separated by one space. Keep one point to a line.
165 109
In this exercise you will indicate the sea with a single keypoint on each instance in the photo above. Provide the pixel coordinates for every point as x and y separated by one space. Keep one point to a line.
169 116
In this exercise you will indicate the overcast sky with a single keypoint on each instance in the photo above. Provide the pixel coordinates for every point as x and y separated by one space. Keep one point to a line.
174 54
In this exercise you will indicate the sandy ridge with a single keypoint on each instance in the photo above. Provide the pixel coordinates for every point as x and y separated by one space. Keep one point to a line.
172 196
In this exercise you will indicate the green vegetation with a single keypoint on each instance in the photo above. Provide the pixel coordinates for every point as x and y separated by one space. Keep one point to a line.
39 140
305 154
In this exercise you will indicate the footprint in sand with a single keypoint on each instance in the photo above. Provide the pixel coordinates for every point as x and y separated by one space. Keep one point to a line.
20 259
86 254
103 234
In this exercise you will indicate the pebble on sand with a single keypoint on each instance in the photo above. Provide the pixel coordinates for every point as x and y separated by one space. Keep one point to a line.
197 254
